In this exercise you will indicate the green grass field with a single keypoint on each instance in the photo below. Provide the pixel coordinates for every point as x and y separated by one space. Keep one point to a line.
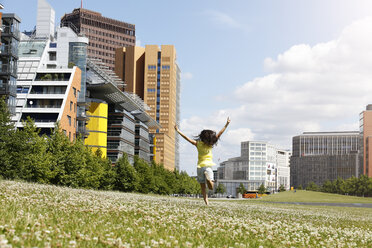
312 196
33 215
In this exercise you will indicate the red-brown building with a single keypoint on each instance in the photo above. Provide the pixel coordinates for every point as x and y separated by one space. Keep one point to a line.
105 34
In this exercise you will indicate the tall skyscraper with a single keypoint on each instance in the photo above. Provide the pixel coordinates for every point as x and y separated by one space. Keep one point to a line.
321 156
105 34
365 125
153 74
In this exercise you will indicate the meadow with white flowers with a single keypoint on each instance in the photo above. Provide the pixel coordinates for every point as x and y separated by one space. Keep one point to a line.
35 215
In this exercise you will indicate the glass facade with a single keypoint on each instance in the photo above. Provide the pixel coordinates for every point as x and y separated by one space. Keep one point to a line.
318 157
9 58
78 55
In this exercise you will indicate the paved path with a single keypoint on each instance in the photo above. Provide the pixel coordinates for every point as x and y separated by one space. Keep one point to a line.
355 205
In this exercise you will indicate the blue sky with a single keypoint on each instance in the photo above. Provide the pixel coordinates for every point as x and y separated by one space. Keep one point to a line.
276 67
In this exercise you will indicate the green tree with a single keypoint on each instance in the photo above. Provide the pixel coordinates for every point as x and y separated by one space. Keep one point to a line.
91 171
327 187
144 172
74 164
300 187
161 176
7 141
67 159
352 185
340 186
220 189
127 178
241 189
281 188
32 158
262 189
109 175
312 186
362 188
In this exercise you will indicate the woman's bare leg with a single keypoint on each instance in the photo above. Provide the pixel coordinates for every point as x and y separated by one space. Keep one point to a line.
204 192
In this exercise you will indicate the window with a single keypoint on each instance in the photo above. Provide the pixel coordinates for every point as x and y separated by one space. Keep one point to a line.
151 67
22 90
74 91
69 120
71 105
52 56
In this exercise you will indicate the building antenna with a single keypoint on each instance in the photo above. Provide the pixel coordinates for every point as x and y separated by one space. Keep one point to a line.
81 6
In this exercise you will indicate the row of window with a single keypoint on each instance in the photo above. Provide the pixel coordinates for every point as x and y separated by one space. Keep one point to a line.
108 41
94 51
151 67
258 153
109 27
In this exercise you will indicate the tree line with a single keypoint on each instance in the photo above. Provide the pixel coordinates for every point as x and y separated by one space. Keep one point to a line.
357 186
25 155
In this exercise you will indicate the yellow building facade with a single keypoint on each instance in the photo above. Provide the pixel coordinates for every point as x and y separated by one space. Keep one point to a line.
153 74
97 126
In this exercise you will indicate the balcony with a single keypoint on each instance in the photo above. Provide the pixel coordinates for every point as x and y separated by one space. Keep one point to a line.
83 131
9 30
6 89
8 50
8 69
43 106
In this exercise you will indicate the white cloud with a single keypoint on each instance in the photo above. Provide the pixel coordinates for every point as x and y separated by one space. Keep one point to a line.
138 42
220 18
186 75
307 88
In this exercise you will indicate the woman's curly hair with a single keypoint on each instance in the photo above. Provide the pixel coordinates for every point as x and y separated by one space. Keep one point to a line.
208 137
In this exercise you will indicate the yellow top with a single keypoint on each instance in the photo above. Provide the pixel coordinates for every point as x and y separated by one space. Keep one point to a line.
204 154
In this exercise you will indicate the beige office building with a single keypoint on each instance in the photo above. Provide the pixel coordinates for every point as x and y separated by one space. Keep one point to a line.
153 74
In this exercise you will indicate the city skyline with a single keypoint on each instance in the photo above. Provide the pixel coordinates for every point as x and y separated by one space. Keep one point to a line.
290 67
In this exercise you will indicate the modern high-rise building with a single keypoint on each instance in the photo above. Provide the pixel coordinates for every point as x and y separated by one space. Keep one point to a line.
260 163
10 36
153 74
365 126
321 156
118 121
105 34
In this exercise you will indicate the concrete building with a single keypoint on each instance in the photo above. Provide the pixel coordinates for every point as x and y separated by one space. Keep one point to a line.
320 156
48 86
365 128
127 122
45 94
153 74
259 163
10 36
104 34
